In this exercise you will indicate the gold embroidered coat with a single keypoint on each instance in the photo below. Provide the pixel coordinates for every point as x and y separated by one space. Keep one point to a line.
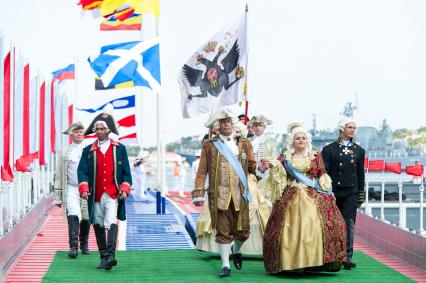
213 164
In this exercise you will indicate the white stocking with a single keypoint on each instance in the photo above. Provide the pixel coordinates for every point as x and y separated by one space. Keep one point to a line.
237 247
224 254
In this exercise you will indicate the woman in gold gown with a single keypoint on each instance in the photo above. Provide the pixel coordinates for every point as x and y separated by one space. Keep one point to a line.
305 231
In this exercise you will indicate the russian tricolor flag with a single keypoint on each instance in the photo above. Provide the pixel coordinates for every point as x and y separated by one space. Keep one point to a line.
67 73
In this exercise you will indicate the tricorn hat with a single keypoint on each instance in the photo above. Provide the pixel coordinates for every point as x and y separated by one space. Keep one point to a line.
219 115
260 119
74 126
107 119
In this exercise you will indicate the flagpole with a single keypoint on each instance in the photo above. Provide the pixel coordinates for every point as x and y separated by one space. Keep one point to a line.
245 84
11 154
421 189
160 145
1 149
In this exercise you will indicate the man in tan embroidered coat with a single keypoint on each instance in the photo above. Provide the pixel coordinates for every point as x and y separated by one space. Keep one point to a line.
262 146
228 201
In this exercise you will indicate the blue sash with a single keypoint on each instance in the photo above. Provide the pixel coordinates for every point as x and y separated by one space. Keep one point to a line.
299 176
224 150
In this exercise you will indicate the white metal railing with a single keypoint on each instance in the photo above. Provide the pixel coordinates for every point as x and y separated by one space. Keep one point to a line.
17 198
400 205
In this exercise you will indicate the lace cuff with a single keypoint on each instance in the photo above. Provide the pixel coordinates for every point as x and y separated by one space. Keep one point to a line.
277 181
198 199
325 182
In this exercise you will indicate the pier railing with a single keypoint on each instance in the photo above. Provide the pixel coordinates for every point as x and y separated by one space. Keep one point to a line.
400 205
19 197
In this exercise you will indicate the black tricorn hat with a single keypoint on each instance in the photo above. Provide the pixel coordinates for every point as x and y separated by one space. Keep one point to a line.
105 117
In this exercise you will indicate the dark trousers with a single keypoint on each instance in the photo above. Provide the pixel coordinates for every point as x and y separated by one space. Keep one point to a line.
346 200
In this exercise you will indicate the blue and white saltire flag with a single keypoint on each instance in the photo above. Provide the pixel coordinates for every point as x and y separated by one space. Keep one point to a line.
118 103
137 61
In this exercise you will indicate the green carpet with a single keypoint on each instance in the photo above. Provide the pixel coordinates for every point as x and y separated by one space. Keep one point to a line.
193 266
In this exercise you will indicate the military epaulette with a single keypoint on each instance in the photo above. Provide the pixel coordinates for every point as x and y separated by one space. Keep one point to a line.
214 138
356 144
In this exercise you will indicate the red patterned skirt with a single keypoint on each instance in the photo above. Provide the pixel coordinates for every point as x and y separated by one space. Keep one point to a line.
332 227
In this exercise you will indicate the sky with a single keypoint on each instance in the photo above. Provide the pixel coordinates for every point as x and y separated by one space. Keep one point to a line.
305 56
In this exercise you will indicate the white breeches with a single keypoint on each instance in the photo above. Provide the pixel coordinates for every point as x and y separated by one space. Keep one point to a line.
140 186
106 211
73 201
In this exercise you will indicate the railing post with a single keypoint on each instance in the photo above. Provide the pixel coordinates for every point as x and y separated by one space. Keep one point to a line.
18 186
367 205
382 199
163 204
1 209
421 189
10 196
401 210
158 201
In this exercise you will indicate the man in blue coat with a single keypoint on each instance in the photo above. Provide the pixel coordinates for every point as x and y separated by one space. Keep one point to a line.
105 181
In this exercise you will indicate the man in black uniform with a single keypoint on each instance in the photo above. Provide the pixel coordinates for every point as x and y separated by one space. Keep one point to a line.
344 162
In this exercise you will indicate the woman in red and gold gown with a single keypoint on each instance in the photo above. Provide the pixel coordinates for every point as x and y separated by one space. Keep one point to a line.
306 231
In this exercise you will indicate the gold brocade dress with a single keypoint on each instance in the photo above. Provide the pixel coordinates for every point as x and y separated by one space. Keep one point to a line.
258 212
305 230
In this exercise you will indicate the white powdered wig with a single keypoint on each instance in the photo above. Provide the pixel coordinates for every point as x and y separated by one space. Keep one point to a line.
343 122
243 128
99 123
294 128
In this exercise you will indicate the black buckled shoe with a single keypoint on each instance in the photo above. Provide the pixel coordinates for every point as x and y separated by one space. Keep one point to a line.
225 272
237 258
73 252
110 261
349 264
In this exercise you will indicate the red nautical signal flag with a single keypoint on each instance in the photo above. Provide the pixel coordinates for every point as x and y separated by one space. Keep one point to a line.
6 174
133 22
393 167
90 4
6 170
376 165
24 161
415 170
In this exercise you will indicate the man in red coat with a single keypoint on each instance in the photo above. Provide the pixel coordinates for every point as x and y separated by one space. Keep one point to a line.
105 181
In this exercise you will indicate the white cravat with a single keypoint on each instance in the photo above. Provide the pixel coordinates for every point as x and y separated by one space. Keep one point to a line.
346 143
231 143
104 145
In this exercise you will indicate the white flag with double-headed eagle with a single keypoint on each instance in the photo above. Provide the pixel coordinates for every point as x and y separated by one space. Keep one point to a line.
216 74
